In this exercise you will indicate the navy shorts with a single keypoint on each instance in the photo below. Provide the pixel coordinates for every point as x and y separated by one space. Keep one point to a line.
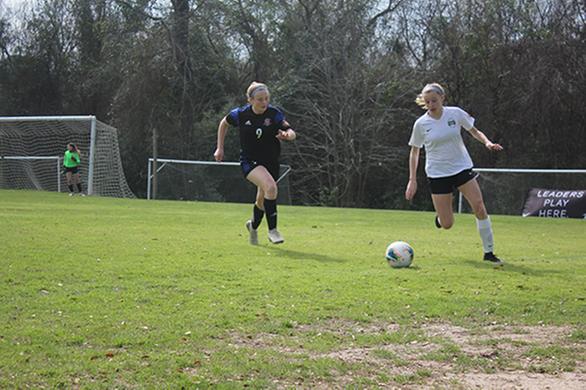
248 165
447 185
71 169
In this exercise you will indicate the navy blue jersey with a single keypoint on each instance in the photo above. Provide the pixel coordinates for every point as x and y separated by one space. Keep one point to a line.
258 140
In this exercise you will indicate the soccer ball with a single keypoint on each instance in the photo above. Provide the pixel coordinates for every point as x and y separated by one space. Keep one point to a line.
399 254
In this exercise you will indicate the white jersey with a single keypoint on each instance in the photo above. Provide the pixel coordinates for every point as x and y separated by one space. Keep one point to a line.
446 154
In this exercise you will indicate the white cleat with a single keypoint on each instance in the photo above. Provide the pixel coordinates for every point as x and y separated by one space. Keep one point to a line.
81 194
71 194
275 237
252 233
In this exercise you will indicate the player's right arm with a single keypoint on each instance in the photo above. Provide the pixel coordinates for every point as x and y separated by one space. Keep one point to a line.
413 162
222 130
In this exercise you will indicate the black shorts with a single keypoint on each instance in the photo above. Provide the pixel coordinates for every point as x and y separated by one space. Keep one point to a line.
447 185
71 169
248 165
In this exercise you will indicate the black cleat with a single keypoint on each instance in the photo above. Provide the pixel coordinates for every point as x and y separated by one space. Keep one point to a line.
437 222
489 256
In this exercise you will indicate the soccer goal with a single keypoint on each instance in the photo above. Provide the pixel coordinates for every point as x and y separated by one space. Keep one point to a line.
31 150
505 189
207 181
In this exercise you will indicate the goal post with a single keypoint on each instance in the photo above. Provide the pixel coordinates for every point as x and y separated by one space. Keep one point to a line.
26 139
505 189
207 180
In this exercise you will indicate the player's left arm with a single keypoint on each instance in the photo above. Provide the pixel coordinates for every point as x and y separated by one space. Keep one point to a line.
480 136
286 133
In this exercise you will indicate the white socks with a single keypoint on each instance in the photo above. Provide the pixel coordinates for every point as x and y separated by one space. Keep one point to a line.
485 230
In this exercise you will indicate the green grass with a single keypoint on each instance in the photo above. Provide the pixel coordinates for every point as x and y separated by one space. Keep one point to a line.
99 292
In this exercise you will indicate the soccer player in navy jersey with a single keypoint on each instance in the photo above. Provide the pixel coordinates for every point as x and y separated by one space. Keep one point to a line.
447 163
261 127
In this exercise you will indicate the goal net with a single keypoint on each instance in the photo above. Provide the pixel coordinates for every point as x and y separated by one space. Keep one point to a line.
31 149
505 190
207 181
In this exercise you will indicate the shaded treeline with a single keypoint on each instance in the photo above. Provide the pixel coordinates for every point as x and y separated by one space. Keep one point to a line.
345 72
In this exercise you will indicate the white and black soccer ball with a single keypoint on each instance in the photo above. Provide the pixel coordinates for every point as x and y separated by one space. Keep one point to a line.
399 254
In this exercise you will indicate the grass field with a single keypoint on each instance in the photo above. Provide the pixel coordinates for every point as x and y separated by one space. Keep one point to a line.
116 293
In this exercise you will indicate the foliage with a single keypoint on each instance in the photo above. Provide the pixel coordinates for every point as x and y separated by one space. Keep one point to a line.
345 73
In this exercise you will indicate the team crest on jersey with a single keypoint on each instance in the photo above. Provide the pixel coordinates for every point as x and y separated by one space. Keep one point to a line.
267 122
247 123
451 122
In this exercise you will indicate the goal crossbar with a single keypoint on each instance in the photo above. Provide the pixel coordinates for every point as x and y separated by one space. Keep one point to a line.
515 170
30 157
67 118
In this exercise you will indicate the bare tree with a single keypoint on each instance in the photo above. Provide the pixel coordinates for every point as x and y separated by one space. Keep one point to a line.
340 97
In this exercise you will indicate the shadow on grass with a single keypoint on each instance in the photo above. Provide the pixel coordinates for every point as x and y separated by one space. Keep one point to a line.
296 255
410 268
508 267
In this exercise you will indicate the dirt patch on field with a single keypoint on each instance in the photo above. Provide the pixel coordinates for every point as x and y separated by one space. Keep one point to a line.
522 380
430 355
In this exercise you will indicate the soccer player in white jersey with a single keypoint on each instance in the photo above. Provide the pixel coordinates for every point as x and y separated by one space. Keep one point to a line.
448 165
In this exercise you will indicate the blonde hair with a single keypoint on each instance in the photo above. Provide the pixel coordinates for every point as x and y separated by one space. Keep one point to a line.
254 88
433 87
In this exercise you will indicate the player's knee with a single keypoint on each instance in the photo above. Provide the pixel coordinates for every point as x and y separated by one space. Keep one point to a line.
448 223
270 190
